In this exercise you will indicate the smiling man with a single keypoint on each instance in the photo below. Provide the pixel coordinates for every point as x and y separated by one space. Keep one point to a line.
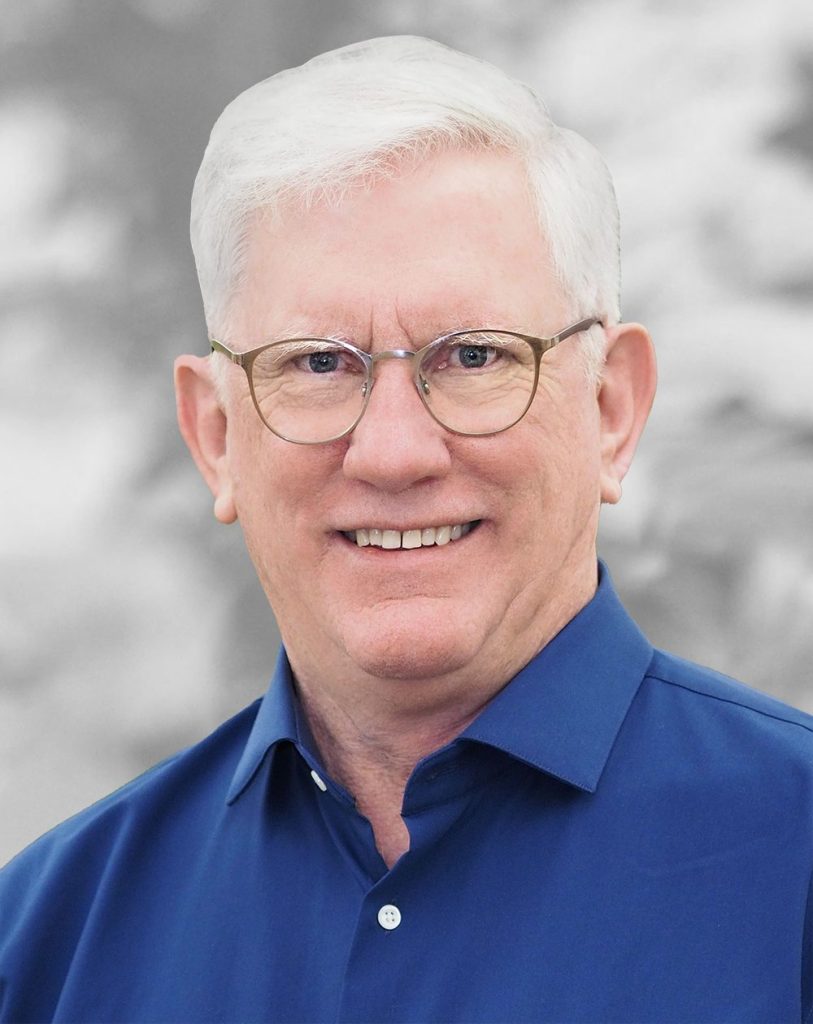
473 791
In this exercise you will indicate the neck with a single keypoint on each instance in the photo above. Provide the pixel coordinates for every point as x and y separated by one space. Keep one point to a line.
371 732
373 755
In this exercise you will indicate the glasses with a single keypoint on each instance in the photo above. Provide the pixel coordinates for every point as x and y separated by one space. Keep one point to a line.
472 382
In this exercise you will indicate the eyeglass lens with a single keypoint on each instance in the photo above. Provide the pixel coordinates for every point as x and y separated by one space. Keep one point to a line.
313 390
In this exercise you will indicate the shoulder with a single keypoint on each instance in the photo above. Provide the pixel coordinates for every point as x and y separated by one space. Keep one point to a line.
709 765
702 682
123 855
700 701
183 789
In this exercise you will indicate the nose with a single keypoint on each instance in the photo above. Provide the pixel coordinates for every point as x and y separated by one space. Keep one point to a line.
397 443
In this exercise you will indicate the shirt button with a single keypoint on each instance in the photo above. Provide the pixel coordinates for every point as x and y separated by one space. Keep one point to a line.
389 917
317 778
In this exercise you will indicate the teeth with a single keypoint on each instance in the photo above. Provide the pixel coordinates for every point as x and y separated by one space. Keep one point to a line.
427 537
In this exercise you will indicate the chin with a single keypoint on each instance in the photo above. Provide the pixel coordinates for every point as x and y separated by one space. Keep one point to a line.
407 651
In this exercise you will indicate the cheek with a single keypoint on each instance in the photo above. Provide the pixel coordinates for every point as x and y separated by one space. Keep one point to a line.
556 469
282 494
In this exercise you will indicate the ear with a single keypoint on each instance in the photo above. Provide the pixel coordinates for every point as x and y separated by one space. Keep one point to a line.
203 426
625 398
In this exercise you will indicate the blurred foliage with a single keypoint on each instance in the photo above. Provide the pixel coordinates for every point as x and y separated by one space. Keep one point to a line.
130 623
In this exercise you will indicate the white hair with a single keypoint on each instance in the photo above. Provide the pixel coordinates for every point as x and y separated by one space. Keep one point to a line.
354 115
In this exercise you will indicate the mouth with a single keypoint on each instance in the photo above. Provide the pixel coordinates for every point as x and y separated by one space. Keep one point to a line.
419 537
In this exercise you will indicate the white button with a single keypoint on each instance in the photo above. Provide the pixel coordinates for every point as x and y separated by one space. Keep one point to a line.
317 778
389 917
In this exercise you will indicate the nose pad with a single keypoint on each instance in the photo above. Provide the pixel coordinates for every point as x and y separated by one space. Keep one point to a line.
394 400
422 385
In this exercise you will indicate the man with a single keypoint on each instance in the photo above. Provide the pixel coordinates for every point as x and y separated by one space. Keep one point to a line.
473 791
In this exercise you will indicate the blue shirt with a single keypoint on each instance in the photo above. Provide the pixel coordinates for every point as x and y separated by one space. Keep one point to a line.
619 836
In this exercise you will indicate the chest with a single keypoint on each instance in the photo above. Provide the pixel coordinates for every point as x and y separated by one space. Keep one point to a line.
513 904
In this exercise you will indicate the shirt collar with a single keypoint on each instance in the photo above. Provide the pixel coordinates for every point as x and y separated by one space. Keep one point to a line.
276 721
560 714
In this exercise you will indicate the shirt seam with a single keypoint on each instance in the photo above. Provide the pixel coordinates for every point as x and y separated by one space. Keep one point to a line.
806 959
728 700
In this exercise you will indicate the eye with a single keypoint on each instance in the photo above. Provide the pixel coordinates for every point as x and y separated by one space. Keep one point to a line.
473 357
323 362
479 354
483 352
306 359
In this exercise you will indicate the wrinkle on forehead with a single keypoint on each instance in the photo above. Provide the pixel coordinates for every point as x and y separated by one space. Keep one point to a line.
417 257
396 328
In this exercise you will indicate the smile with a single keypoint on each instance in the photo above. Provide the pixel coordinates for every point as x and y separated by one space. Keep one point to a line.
424 537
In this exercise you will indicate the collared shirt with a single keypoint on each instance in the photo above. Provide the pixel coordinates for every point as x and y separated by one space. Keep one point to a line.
619 836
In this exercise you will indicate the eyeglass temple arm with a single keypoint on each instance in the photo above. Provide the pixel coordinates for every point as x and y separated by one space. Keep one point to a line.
577 328
235 357
544 345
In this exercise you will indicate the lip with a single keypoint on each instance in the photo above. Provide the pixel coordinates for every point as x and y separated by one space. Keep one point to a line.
393 524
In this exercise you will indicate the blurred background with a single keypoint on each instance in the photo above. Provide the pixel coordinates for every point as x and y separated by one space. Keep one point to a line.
130 622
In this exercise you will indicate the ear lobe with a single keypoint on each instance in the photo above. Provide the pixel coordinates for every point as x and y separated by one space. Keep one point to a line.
625 398
202 422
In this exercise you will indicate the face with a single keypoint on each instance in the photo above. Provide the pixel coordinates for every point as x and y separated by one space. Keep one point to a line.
449 244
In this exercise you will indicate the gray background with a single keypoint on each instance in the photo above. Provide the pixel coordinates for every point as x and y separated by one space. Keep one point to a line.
130 623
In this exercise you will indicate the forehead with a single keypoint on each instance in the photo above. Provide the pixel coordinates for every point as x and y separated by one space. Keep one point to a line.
452 242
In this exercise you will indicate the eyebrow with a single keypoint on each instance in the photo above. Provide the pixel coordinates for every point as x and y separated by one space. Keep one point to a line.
295 330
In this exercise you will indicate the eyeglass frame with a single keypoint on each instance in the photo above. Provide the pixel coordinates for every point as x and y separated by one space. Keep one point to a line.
539 346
